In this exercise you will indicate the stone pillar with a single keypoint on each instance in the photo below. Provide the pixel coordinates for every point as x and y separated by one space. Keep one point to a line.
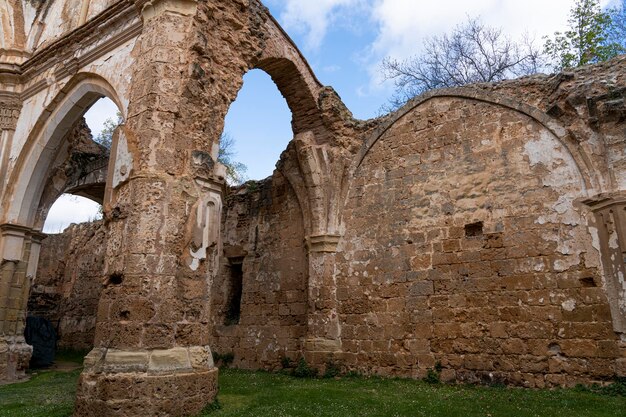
14 242
33 259
162 210
14 288
10 107
610 217
323 327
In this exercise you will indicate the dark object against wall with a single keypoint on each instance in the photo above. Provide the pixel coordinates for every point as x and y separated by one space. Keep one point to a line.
40 334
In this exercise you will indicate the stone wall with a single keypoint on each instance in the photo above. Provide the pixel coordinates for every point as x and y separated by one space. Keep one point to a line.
473 234
484 230
483 227
263 237
464 246
68 283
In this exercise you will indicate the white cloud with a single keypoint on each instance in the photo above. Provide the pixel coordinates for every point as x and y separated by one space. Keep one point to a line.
102 110
70 209
312 18
404 24
331 68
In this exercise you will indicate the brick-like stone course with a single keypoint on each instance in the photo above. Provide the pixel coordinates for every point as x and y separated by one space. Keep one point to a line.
518 301
69 281
482 227
262 223
465 244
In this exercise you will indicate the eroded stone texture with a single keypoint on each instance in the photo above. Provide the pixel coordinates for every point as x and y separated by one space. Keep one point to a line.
80 168
68 283
160 245
480 227
475 255
264 236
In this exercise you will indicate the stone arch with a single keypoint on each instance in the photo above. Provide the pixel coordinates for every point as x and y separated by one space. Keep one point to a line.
307 161
472 175
80 169
300 90
305 122
294 78
293 87
583 163
46 139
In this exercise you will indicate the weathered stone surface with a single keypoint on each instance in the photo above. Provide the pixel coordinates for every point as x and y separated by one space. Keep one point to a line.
137 394
126 361
265 221
68 283
481 228
163 361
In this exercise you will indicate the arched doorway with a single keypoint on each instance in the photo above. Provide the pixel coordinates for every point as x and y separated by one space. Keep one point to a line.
262 259
53 161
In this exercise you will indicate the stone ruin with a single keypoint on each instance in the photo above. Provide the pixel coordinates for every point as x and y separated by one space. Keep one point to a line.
482 227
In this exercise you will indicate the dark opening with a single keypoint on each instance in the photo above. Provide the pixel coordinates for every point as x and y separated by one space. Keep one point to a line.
115 278
474 229
233 308
554 349
588 282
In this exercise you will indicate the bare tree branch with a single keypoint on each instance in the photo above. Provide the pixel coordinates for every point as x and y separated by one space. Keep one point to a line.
471 53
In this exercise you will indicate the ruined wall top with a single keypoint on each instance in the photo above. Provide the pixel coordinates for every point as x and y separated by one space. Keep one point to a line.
27 25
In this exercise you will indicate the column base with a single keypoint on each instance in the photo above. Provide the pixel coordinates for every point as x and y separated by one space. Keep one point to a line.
14 358
173 382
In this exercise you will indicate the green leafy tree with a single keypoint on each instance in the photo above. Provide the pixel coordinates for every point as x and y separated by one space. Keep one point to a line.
105 138
588 39
235 171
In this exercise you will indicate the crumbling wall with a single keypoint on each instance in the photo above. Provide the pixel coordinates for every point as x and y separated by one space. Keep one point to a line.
468 240
464 246
68 284
470 229
56 18
263 232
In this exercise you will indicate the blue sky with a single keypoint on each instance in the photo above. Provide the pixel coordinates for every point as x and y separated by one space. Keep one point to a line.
345 42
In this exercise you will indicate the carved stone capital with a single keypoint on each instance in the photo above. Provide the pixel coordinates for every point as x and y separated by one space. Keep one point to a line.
9 113
10 229
323 243
13 237
37 237
604 201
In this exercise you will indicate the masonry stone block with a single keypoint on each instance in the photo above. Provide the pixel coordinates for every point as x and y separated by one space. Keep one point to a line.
476 227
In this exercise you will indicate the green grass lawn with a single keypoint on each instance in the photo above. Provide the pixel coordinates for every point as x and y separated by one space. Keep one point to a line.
260 394
46 394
